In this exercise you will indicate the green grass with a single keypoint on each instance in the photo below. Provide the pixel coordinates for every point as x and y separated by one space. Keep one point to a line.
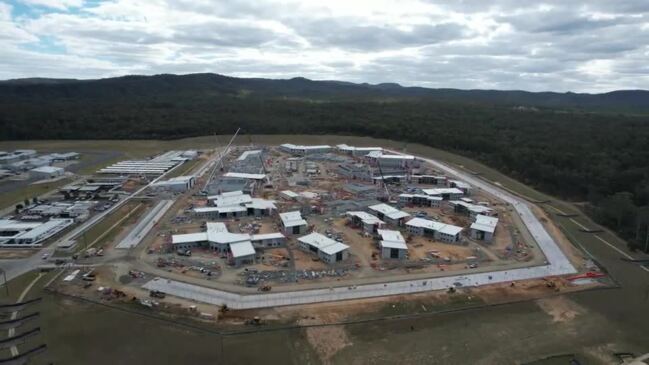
185 169
103 226
29 192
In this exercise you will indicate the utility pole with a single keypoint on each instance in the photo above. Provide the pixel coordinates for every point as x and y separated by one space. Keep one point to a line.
4 282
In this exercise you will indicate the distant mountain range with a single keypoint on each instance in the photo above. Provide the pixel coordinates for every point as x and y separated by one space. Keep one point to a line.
146 87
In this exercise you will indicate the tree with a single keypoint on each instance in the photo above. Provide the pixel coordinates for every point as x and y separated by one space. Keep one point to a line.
620 208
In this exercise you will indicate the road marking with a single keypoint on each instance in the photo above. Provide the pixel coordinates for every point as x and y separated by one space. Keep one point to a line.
12 331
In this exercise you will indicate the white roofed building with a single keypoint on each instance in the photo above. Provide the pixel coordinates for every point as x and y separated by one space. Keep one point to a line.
328 250
30 234
178 184
46 172
304 149
239 246
293 223
374 158
357 151
437 230
429 180
483 228
420 200
445 193
389 214
392 245
368 222
470 209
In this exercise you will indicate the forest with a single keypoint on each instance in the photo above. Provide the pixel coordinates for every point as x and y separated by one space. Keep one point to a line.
597 156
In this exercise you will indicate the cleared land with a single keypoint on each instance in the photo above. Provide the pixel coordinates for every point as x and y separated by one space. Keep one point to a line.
593 329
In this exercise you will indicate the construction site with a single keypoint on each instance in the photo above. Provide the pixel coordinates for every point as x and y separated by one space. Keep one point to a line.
259 226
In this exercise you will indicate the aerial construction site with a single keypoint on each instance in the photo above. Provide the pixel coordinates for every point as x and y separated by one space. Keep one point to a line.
258 226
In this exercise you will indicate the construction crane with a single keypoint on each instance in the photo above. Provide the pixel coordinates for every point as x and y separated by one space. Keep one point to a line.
385 185
219 160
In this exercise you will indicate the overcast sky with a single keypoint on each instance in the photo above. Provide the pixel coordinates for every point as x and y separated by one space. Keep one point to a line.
567 45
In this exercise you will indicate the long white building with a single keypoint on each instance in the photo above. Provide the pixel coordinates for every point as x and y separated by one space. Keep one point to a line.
304 149
30 234
437 230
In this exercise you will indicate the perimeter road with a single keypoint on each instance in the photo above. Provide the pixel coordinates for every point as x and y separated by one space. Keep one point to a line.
558 264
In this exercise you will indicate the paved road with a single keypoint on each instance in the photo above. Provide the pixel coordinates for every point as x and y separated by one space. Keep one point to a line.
558 264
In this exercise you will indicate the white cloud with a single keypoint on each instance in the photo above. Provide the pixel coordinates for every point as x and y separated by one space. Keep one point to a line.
558 45
55 4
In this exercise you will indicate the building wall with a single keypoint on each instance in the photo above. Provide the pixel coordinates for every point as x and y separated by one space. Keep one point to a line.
386 253
288 231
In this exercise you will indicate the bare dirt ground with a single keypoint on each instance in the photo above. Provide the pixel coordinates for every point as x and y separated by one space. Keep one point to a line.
327 341
16 253
561 309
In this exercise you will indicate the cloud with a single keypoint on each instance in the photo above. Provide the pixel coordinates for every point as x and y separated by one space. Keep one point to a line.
560 45
54 4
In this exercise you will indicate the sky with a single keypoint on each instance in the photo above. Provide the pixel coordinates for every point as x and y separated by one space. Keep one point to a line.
536 45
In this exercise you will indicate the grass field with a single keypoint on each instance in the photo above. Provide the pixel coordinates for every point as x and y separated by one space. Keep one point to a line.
29 192
106 229
185 169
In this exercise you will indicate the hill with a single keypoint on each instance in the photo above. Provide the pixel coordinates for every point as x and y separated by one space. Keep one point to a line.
302 88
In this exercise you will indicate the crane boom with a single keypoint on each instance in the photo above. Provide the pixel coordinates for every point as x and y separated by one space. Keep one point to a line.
219 159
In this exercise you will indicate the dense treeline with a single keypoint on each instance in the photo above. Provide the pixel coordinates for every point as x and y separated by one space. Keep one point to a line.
601 160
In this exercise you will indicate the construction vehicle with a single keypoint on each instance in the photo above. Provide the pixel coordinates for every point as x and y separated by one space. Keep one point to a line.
90 252
265 288
157 294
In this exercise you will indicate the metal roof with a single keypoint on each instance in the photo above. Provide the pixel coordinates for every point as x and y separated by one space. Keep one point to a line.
323 243
435 226
366 217
292 219
242 249
389 211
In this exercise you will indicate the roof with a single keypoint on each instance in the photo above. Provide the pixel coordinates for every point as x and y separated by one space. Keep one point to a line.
226 201
323 243
381 155
292 219
247 154
344 147
304 147
392 239
47 169
389 211
485 223
244 175
258 203
334 248
290 194
267 236
44 228
460 184
389 235
242 249
367 218
393 244
421 196
435 226
189 237
472 207
440 191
